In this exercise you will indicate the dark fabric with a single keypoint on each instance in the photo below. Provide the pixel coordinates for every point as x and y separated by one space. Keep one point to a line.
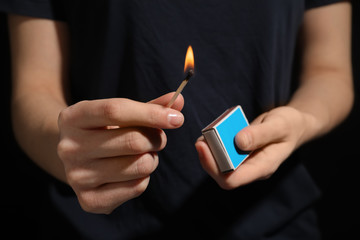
244 52
262 209
51 9
318 3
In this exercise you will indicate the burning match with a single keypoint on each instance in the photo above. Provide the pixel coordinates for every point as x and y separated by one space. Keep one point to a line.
189 68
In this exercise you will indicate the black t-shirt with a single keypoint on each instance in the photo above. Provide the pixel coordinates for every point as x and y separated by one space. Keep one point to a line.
244 54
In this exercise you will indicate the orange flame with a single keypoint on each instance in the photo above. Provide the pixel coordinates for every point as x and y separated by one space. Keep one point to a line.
189 59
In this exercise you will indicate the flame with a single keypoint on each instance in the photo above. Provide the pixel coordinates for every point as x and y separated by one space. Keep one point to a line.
189 59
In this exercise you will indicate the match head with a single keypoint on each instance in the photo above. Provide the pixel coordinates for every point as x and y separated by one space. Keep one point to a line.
189 74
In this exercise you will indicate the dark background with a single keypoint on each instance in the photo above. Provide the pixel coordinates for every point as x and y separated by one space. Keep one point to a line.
25 208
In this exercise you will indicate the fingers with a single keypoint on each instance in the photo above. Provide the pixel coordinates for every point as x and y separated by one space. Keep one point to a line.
206 158
165 99
111 170
103 184
122 113
259 165
115 142
108 147
262 131
116 158
272 137
107 197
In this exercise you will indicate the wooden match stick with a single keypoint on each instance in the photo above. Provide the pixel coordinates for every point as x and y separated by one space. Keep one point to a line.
181 87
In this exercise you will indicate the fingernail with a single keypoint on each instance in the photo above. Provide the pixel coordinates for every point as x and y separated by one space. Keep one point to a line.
175 119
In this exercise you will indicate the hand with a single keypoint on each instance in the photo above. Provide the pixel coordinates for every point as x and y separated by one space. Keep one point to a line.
108 147
272 137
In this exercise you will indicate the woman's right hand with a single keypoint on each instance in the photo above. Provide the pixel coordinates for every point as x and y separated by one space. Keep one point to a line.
109 147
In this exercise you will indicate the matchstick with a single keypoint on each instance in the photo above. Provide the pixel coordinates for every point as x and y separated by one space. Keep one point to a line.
181 87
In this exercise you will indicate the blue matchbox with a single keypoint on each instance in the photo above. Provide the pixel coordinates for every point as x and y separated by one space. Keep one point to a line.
220 136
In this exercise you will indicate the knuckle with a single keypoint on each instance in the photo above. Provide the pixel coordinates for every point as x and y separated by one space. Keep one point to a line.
73 179
227 185
156 139
67 115
94 201
110 109
155 116
145 165
66 149
162 141
267 172
90 202
81 178
141 187
64 117
135 141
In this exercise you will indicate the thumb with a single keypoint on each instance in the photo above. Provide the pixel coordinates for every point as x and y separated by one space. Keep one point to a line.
165 99
259 135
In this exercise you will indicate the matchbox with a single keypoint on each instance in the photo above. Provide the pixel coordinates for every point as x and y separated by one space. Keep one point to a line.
220 136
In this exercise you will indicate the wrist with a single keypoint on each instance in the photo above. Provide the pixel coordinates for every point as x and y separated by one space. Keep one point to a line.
311 127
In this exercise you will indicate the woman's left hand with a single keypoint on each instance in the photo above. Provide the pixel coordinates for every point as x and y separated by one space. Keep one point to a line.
271 137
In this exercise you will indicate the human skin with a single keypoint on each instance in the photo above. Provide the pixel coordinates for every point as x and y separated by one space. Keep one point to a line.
323 100
107 149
